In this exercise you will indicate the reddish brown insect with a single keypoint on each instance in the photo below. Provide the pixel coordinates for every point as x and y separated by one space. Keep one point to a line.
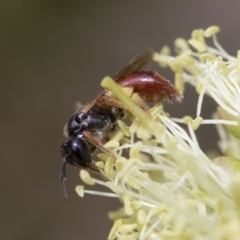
88 127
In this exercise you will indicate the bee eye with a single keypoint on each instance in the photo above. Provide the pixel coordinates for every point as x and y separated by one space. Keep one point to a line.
77 152
73 125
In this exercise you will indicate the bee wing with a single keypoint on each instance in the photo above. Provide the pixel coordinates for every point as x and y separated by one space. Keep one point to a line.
134 65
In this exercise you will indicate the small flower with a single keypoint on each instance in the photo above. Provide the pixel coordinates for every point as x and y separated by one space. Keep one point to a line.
169 187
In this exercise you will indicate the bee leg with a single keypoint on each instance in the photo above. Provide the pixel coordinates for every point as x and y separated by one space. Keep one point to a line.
97 144
141 103
93 168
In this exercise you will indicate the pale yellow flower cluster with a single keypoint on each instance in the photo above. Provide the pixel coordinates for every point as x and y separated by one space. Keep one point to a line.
169 187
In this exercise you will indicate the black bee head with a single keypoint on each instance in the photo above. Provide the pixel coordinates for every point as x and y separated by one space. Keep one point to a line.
76 151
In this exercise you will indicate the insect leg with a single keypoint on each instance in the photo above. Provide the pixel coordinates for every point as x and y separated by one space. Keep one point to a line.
97 144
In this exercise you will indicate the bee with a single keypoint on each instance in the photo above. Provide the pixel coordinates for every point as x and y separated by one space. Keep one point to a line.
89 125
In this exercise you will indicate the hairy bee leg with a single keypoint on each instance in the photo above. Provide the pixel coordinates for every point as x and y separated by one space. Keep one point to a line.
97 144
140 102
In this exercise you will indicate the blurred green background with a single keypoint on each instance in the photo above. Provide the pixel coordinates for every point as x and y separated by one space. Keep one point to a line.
54 53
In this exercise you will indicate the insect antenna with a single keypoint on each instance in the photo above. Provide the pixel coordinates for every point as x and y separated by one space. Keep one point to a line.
63 179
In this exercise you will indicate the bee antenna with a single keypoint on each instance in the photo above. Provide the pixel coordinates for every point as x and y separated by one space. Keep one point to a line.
63 179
